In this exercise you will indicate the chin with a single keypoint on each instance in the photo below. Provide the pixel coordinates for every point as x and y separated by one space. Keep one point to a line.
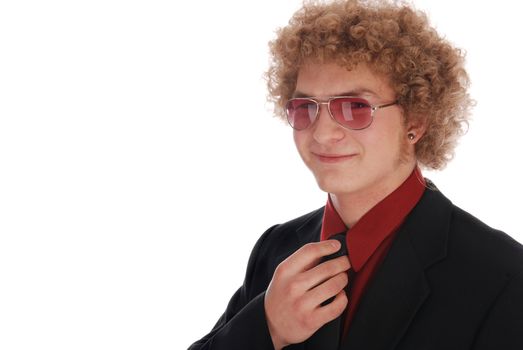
337 185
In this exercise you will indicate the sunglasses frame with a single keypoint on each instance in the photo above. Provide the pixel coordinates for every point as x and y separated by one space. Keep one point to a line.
373 108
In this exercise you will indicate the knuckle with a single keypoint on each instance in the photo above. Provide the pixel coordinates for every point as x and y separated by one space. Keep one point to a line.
293 288
304 318
337 283
344 299
337 268
317 248
309 248
300 307
345 262
308 322
281 269
330 268
326 268
276 276
335 286
299 280
343 279
342 262
339 307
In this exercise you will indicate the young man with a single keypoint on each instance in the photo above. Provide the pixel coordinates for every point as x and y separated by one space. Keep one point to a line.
372 92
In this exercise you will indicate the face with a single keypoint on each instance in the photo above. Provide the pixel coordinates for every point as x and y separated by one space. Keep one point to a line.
369 161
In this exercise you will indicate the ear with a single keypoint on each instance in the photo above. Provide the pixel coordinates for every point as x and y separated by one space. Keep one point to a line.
415 131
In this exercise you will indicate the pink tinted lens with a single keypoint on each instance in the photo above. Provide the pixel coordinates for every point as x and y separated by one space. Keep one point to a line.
301 112
353 112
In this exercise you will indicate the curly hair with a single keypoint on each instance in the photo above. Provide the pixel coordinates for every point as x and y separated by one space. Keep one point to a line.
425 71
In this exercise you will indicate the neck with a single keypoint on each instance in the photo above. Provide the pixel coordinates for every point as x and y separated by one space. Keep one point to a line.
352 206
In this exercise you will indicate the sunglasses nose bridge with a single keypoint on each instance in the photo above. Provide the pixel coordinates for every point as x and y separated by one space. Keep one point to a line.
329 118
328 106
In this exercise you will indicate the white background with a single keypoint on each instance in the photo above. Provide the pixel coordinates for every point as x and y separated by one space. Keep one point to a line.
139 161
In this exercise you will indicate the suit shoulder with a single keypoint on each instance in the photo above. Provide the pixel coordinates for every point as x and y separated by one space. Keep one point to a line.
301 228
291 225
284 238
301 221
492 246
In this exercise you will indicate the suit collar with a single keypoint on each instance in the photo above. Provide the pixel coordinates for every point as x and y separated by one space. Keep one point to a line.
429 225
430 217
310 230
378 223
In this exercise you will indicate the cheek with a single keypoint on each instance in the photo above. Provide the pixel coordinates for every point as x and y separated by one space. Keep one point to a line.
299 139
372 140
382 140
295 136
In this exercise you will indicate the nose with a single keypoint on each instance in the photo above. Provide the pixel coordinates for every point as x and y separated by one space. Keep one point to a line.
326 130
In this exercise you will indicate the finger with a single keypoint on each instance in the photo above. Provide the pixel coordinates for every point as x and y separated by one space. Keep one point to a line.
329 312
308 256
327 289
326 270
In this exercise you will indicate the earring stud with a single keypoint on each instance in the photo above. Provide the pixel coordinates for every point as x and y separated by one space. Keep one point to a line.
411 136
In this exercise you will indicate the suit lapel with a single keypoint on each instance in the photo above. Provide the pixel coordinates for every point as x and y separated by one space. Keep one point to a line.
326 338
391 301
399 288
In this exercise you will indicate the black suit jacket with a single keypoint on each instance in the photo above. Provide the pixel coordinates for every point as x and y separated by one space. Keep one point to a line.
448 282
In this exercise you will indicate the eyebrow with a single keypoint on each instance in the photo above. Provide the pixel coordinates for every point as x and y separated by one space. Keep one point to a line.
355 92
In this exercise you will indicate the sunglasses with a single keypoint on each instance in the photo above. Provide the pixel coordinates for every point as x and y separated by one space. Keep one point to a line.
353 113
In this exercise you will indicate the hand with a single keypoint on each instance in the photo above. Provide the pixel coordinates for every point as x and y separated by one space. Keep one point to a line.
297 289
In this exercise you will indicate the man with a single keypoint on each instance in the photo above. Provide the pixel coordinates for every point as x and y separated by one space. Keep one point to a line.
372 93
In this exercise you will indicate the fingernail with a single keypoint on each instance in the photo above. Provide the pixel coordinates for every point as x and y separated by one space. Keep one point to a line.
335 244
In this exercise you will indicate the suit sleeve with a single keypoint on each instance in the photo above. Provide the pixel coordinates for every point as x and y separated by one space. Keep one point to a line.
243 324
503 327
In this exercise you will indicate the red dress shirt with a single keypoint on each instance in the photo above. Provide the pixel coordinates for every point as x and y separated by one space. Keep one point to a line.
369 240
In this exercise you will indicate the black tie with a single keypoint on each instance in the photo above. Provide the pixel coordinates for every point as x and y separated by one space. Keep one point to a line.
326 330
343 251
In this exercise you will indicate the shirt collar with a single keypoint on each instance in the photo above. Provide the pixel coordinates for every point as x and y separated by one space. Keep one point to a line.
378 223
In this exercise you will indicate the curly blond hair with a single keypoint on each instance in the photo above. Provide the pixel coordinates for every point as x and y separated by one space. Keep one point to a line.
426 72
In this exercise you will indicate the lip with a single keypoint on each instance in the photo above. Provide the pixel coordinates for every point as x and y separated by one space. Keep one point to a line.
333 158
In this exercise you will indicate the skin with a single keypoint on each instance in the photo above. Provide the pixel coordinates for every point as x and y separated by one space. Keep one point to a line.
358 168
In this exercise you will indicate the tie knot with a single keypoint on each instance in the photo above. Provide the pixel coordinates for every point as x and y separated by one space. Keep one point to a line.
340 237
